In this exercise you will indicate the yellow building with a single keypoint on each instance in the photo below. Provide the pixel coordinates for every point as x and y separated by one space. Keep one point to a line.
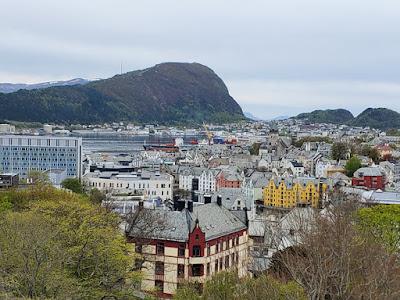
292 192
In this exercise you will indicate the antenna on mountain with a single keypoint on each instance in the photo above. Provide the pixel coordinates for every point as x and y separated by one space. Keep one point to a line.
121 68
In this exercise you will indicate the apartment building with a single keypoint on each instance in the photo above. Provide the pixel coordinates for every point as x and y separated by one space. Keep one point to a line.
292 192
192 245
371 178
150 184
198 179
21 154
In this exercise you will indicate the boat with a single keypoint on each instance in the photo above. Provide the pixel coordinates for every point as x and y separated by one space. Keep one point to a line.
194 142
161 147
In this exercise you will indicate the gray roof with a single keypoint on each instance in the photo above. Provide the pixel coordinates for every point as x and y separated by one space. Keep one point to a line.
214 221
371 171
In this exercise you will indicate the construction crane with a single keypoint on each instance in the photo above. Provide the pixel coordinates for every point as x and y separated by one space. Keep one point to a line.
208 133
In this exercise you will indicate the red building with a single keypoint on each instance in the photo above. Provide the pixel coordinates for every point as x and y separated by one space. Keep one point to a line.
371 178
188 245
229 180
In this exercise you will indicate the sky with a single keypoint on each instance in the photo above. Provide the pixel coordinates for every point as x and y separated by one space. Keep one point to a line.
277 58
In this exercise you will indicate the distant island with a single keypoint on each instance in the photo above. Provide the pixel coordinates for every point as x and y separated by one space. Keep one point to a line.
168 93
379 118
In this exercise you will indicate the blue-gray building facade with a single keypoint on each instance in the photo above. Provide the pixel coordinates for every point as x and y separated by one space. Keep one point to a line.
22 154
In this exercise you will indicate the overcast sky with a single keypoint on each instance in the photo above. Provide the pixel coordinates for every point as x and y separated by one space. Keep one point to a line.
277 58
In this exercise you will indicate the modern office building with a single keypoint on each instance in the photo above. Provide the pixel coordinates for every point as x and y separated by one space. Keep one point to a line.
21 154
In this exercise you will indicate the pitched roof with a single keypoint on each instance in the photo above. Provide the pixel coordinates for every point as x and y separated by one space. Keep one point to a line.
214 221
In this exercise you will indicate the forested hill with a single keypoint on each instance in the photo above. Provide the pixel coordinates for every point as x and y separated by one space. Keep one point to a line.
167 93
380 118
334 116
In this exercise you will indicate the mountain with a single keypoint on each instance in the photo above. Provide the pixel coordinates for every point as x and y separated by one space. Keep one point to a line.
380 118
13 87
250 116
334 116
280 118
165 93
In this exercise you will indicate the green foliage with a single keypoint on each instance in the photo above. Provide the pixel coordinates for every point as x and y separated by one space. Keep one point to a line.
381 118
383 222
228 286
393 132
38 178
255 149
96 196
59 245
5 203
339 151
166 93
73 184
334 116
352 165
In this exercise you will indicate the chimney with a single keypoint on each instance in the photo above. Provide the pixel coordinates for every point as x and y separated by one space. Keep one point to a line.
219 200
190 206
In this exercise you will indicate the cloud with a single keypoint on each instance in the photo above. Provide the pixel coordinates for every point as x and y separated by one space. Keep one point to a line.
268 99
276 56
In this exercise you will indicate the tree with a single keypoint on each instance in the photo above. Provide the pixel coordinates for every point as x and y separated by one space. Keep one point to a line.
339 151
383 222
255 149
32 260
72 184
372 153
335 260
38 178
96 196
228 286
59 245
352 165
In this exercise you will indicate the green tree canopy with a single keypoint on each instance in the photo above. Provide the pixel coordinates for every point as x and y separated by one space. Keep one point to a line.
228 286
352 165
383 222
73 184
55 244
339 151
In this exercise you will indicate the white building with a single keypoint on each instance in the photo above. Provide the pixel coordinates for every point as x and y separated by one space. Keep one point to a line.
152 185
198 179
7 128
22 154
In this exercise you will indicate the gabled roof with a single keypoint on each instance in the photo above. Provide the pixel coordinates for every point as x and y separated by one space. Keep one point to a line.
214 221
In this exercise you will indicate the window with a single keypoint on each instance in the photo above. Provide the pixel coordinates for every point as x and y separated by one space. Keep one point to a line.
181 250
216 247
227 262
196 251
159 284
208 269
181 271
216 265
159 268
197 270
233 259
208 250
237 240
138 248
160 249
